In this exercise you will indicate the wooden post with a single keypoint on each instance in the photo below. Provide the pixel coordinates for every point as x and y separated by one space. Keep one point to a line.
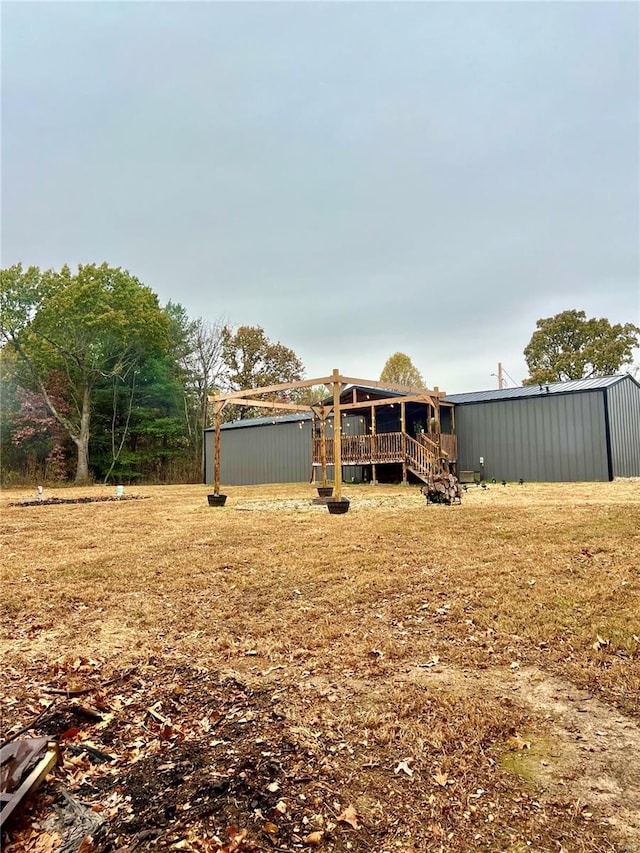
374 476
314 432
323 446
216 454
337 439
439 432
403 430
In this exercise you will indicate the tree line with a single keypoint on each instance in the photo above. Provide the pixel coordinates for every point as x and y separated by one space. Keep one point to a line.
101 383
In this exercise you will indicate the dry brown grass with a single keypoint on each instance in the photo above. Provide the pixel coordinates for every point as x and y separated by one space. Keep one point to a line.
330 612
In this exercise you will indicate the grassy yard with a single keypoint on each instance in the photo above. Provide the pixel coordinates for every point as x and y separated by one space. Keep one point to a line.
270 677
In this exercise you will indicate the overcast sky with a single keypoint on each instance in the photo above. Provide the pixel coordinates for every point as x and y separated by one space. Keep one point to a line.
357 178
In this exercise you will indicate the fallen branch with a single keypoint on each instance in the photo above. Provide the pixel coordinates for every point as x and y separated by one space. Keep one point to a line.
72 694
29 725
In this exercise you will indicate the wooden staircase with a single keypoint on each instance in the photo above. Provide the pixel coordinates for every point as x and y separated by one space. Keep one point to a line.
423 457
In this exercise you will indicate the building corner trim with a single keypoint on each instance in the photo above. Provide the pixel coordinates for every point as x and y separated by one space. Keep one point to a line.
607 433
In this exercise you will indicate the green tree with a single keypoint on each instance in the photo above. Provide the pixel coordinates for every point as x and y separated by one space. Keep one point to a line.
251 360
400 370
570 346
96 323
140 425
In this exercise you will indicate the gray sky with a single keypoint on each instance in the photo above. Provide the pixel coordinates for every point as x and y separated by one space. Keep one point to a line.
357 178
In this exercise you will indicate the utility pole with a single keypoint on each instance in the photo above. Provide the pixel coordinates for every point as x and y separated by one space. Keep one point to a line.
500 379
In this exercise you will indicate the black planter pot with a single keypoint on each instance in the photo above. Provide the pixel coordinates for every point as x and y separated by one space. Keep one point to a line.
325 491
216 500
338 507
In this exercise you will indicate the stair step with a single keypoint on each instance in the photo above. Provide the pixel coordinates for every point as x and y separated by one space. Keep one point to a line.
421 475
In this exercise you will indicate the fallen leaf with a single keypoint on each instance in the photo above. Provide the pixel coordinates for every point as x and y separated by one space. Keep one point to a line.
350 816
314 839
404 767
441 778
69 734
86 845
516 742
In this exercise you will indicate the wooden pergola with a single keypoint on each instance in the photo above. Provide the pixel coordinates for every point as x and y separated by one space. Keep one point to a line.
335 384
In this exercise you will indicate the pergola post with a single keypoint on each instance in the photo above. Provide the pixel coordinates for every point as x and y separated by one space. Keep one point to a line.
337 438
374 446
323 447
216 452
403 430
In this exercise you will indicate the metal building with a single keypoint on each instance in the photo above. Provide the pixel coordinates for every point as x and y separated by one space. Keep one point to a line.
271 450
583 430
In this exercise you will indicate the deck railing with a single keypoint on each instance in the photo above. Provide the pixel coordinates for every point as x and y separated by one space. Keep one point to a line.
448 446
422 453
363 449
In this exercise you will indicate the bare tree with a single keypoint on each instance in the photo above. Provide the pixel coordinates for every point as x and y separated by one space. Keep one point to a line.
204 369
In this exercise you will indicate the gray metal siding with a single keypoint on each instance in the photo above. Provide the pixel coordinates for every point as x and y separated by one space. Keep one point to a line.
546 439
624 423
277 453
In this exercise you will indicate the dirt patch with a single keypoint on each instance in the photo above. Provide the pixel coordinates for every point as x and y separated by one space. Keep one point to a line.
275 506
590 751
195 760
84 500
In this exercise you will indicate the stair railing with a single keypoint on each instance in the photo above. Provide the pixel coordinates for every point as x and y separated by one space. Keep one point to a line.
421 456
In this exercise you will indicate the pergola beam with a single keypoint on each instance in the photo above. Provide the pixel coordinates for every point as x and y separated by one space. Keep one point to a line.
329 381
391 386
388 401
272 389
267 404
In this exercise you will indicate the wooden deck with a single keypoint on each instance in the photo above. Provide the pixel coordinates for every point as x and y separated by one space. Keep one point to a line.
422 455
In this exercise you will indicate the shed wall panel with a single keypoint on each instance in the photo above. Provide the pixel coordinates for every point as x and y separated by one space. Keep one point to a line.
276 453
624 423
546 439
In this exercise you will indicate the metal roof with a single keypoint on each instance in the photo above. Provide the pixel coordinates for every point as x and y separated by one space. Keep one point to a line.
253 422
596 383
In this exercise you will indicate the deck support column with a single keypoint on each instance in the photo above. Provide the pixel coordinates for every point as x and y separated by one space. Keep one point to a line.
403 430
